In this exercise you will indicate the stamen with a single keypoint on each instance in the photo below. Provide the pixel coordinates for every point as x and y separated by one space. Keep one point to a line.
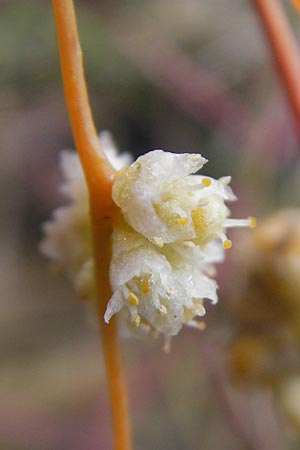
235 223
252 222
133 299
144 285
227 244
195 324
181 220
206 181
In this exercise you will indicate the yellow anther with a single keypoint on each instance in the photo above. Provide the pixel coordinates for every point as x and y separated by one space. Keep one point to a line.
252 222
136 320
181 220
133 299
227 244
199 221
201 326
206 181
144 285
191 193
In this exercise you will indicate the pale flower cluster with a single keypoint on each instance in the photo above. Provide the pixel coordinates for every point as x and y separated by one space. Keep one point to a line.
172 231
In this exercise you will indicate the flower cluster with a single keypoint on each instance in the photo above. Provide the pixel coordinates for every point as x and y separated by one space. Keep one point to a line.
171 232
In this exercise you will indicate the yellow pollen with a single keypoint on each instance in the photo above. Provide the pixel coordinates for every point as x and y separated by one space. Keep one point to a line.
227 244
191 194
133 299
136 320
206 182
182 220
252 222
201 326
199 221
144 286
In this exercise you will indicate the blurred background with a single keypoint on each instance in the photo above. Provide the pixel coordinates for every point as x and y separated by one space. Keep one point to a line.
188 75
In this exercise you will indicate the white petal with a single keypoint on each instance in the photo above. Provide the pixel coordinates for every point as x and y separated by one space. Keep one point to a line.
114 305
116 159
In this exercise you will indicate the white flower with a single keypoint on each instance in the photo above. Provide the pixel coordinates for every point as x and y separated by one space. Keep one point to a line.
161 289
162 200
169 236
67 236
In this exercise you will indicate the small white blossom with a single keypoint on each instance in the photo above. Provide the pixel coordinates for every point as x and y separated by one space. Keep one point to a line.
162 200
161 288
67 236
170 235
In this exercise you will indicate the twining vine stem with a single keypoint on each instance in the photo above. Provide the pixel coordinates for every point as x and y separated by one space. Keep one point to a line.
99 176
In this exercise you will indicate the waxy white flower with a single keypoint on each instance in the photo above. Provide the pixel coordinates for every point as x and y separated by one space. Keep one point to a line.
67 236
161 288
171 232
162 200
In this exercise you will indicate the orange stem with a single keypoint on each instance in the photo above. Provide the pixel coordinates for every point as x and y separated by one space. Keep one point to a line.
284 50
296 3
86 140
99 176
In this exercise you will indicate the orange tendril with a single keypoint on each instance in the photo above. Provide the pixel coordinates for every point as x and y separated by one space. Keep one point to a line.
99 175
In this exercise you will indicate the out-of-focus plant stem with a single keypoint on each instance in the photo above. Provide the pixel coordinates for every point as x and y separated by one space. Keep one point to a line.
296 3
99 176
284 49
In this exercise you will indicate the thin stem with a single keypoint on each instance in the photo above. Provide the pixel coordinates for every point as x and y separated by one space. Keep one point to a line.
99 176
296 3
284 50
86 140
102 228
